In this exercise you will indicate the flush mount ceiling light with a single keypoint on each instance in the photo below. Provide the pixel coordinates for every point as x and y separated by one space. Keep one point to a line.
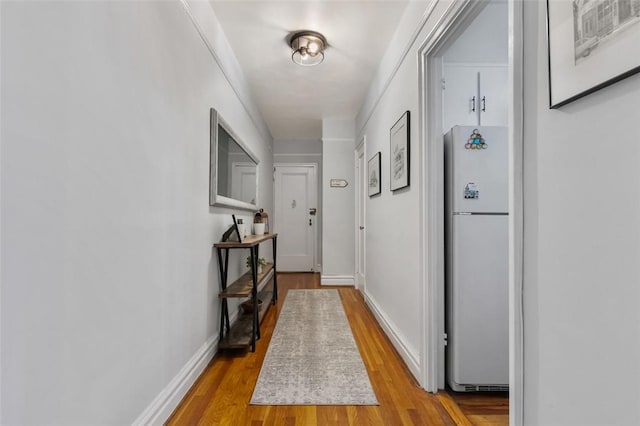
308 48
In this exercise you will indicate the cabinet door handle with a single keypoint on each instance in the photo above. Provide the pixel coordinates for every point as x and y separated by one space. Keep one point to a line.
473 104
484 103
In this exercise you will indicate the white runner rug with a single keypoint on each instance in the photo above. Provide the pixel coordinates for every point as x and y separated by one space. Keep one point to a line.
312 358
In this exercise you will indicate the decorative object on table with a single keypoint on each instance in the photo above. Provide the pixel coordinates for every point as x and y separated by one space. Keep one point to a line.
241 228
301 366
233 177
258 228
262 262
247 306
591 45
233 233
262 217
374 183
399 153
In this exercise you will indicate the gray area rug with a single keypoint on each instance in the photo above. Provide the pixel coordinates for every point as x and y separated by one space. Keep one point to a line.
313 358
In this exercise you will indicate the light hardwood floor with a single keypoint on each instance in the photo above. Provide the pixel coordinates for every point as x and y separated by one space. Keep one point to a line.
221 395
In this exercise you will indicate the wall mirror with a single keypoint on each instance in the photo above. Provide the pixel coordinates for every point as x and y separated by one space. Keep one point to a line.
233 168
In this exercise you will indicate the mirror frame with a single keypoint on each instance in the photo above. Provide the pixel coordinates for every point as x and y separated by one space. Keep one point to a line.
216 199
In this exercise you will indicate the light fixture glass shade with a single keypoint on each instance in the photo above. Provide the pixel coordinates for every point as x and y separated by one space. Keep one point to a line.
308 48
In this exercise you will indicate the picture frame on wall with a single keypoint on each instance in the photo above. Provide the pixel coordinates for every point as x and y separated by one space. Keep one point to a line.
374 181
591 44
399 153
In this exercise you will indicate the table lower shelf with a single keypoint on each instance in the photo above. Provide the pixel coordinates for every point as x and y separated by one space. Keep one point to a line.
239 336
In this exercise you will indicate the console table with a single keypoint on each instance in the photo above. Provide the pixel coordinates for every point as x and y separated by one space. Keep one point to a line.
246 330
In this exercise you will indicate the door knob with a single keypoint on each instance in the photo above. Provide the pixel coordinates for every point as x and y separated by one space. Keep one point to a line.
361 228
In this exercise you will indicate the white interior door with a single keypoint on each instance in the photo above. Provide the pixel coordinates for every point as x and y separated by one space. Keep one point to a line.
361 194
295 200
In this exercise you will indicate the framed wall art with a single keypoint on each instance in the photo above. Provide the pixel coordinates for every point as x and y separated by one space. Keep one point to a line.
373 175
592 44
399 153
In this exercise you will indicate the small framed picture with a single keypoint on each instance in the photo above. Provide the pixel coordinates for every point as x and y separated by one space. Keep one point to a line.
373 176
592 44
399 153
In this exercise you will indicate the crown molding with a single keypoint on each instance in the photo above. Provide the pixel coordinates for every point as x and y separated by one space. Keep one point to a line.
229 66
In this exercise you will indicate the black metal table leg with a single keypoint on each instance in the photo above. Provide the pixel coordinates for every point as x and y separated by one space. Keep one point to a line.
275 271
223 266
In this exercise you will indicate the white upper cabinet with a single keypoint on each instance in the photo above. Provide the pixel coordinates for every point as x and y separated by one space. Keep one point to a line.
474 95
493 96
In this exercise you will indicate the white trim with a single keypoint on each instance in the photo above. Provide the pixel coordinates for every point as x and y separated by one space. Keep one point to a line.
516 208
432 179
361 147
398 341
425 17
314 165
298 155
476 64
1 289
168 399
299 140
338 140
337 280
243 93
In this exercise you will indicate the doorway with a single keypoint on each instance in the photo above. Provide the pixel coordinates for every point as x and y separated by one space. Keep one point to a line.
361 194
296 215
457 19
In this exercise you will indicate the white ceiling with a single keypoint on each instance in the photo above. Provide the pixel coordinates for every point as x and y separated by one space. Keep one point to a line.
294 99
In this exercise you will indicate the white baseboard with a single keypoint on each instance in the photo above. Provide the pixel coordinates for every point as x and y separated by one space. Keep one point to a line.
399 342
166 402
168 399
337 280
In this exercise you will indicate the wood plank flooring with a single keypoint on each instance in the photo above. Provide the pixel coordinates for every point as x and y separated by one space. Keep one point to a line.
221 395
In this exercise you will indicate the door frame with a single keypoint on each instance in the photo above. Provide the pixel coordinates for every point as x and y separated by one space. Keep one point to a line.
432 196
361 190
315 199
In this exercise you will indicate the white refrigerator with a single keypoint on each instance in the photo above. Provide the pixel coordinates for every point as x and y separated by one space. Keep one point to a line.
476 218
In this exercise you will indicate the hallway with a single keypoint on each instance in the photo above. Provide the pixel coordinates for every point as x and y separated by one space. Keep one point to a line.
221 394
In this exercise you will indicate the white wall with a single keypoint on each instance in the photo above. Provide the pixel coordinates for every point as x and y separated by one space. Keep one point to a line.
582 245
305 151
483 40
338 204
393 240
109 280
